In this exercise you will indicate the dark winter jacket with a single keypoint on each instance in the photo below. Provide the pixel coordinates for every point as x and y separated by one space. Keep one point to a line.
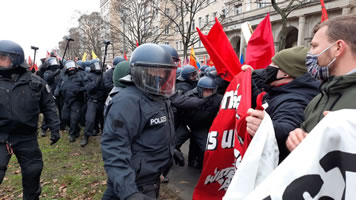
286 106
22 100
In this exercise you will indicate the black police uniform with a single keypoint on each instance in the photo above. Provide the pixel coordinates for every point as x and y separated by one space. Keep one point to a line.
137 143
95 102
23 97
107 79
71 90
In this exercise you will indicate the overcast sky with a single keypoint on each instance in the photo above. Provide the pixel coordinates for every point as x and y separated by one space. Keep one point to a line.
41 23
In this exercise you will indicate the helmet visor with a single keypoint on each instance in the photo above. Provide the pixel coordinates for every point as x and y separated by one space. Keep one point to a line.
5 60
96 66
155 80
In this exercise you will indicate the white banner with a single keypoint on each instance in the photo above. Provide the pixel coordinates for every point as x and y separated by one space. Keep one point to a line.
260 159
323 166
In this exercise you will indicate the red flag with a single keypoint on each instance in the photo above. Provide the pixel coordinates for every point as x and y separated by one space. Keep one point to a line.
220 50
220 157
324 14
137 43
210 62
125 56
29 61
260 47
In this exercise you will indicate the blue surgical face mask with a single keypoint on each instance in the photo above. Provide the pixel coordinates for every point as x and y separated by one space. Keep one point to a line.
314 69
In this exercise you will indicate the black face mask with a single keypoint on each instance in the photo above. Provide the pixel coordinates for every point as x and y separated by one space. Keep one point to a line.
271 74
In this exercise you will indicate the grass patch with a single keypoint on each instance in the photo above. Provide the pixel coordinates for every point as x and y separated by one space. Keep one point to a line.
69 172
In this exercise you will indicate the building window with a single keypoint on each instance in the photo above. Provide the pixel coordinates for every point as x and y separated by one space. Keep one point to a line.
166 11
180 45
199 22
167 43
206 19
199 43
177 47
193 25
238 9
187 25
261 3
214 14
166 30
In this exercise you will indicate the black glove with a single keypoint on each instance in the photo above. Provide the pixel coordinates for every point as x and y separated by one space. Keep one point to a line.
178 158
54 138
139 196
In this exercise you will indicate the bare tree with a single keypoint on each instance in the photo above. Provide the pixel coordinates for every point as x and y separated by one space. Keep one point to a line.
183 19
136 23
284 12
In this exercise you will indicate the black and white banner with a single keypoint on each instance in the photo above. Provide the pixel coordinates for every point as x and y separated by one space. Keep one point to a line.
323 166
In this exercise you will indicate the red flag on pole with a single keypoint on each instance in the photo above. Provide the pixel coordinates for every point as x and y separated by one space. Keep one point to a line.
137 43
125 56
220 50
324 14
29 61
260 47
220 158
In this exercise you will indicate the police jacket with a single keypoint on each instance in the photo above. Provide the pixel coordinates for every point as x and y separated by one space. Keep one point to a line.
71 87
137 141
95 87
108 101
185 86
286 106
23 97
52 77
107 78
202 116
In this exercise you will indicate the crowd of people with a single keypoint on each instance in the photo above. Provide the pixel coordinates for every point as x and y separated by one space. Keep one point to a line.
146 108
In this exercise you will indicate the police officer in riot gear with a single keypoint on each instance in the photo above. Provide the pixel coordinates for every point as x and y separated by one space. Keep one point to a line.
23 97
71 89
138 138
107 77
52 76
188 79
199 107
95 101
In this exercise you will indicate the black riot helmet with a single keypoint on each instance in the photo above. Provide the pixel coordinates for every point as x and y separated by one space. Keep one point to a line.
188 73
202 70
206 83
172 52
153 70
117 60
11 55
96 66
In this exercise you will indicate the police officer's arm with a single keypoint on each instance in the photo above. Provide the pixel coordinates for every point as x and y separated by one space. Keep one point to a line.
92 83
49 75
121 126
48 108
184 101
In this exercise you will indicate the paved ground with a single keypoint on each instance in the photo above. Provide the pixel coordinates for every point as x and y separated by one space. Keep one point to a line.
183 179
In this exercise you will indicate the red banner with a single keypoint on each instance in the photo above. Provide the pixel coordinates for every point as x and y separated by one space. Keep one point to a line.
220 156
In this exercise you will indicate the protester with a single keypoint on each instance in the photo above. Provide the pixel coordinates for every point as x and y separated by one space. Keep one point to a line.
289 90
27 95
331 59
138 138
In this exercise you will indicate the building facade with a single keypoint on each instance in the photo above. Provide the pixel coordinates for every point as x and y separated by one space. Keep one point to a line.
232 13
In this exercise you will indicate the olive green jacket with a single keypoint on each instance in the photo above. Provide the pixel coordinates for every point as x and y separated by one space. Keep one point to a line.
339 92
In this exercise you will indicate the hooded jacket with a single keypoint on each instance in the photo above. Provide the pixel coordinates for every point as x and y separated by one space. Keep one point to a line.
339 92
